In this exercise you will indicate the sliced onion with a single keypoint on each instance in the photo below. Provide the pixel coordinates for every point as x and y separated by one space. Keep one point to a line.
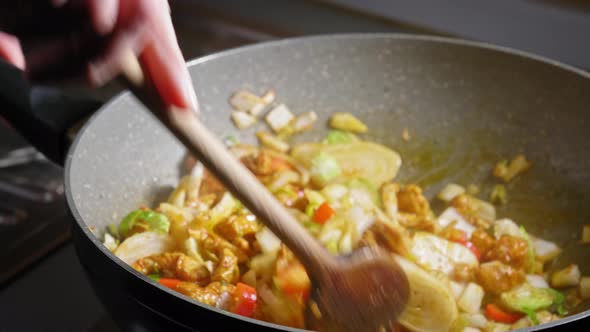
268 242
145 244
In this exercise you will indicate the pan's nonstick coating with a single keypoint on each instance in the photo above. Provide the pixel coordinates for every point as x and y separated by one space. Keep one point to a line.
465 105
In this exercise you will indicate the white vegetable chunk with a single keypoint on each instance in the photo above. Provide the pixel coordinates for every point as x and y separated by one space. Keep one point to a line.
435 253
567 277
506 226
457 289
279 117
142 245
110 242
268 242
269 96
470 301
451 214
244 101
242 120
537 281
545 250
304 121
450 191
362 219
476 320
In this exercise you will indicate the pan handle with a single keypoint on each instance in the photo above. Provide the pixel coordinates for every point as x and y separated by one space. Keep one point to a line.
42 115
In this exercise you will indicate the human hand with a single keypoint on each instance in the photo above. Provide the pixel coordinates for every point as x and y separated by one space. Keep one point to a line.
142 26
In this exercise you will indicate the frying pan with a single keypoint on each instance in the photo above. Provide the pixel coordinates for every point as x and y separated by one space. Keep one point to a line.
466 106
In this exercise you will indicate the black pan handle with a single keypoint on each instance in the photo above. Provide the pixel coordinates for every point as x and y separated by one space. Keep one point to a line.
42 115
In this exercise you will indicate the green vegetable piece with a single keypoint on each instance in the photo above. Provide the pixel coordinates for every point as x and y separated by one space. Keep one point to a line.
146 219
527 298
155 277
339 137
558 301
128 222
324 168
531 260
532 315
112 229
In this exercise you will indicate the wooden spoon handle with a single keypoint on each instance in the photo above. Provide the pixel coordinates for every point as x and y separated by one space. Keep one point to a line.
233 174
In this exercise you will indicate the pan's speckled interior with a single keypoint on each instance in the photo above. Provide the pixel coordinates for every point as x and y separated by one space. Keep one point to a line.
466 107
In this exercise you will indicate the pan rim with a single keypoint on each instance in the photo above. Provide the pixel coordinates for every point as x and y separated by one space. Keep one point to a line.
274 43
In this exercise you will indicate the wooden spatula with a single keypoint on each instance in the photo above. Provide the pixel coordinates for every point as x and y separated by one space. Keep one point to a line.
363 291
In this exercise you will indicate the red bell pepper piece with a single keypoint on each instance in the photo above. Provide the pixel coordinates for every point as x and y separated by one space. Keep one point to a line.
245 300
495 313
323 213
170 283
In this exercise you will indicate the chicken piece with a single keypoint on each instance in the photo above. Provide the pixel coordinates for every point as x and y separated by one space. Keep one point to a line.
227 269
496 277
247 245
409 206
236 226
216 294
211 185
411 200
260 164
388 236
510 250
174 265
463 273
211 245
418 222
483 241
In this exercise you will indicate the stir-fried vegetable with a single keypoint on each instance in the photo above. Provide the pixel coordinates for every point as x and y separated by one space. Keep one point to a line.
470 268
324 168
323 213
435 253
347 122
498 194
143 220
450 191
370 161
245 300
279 118
527 298
272 142
507 171
566 277
431 307
142 245
336 136
495 313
